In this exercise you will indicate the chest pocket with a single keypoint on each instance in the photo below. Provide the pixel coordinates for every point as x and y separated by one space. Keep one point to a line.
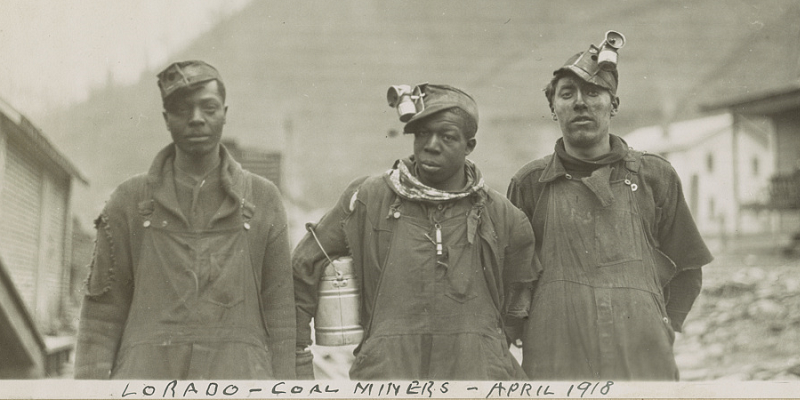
617 224
616 236
405 244
223 279
460 268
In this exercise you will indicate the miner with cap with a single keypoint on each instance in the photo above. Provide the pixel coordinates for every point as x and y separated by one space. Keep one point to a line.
620 252
445 263
191 275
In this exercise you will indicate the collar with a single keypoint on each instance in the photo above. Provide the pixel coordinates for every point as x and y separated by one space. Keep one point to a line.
161 188
555 167
211 176
231 172
403 181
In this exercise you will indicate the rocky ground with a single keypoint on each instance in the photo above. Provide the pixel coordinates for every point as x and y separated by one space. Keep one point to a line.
746 323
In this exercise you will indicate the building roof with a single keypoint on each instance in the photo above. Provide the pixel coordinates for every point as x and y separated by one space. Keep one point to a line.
680 135
770 102
765 62
34 136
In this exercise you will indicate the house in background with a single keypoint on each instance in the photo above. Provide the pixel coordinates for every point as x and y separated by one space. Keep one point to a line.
782 108
725 163
36 181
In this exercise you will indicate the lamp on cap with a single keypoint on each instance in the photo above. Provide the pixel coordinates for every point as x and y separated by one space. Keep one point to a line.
429 99
597 65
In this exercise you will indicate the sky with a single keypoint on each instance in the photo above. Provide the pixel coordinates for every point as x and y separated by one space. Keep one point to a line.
53 52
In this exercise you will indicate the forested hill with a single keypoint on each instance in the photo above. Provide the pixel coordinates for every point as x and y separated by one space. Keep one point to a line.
309 78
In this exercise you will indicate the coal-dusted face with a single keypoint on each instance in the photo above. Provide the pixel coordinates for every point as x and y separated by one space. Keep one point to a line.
583 111
195 119
440 150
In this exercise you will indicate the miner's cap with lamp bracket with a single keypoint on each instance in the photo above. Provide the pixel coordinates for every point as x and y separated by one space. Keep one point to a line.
598 65
406 100
423 100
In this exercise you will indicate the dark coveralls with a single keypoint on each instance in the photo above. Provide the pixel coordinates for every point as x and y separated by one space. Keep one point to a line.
602 308
189 302
426 316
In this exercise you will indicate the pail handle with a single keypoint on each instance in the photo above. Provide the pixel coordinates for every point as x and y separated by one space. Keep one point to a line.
310 228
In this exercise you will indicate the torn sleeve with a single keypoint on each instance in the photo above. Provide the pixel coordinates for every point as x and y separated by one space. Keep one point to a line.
108 291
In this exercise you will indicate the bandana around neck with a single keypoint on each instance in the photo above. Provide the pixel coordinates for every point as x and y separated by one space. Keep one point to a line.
408 186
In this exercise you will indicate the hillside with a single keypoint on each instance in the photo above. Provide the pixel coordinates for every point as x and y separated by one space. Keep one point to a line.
309 78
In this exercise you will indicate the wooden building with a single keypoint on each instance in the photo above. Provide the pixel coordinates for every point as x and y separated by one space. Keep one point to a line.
782 108
36 181
724 161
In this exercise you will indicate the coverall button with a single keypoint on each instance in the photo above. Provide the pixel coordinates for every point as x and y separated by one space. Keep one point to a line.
247 225
666 320
627 181
146 223
634 187
396 214
568 176
164 223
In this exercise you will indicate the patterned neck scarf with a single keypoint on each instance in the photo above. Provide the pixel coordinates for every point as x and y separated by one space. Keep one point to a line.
409 187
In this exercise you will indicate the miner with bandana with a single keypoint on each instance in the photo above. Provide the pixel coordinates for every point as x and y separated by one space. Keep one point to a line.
445 263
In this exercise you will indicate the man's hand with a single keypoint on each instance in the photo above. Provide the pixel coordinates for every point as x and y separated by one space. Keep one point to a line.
304 364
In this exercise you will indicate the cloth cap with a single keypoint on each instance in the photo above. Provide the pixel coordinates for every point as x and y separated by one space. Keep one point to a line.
584 65
442 97
185 74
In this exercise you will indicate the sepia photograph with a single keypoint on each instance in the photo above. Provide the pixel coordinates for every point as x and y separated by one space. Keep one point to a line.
370 198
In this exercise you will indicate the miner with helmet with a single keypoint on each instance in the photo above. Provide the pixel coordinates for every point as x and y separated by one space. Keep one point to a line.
445 263
621 254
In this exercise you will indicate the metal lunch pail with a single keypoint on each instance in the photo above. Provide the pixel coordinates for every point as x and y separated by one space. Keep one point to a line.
338 318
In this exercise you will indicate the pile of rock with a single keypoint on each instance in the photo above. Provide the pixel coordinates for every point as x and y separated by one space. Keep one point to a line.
745 325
